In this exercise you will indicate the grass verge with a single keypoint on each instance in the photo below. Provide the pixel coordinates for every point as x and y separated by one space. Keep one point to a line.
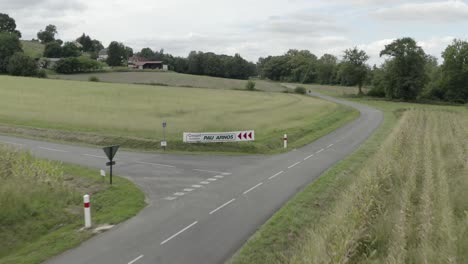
42 210
351 213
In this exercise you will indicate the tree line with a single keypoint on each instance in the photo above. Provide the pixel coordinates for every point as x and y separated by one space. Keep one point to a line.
204 63
408 73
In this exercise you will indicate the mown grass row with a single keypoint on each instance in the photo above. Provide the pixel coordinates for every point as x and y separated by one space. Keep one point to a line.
41 205
402 208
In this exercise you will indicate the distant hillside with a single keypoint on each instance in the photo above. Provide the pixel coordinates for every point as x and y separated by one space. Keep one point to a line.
32 48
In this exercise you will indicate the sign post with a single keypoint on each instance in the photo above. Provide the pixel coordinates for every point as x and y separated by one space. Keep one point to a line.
110 153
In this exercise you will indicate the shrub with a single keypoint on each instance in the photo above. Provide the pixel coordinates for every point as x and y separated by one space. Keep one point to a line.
21 65
300 90
75 65
41 73
376 92
250 86
93 79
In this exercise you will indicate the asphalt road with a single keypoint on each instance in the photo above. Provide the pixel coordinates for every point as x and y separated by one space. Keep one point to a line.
202 208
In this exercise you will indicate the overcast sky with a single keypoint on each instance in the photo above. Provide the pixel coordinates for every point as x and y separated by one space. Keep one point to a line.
253 28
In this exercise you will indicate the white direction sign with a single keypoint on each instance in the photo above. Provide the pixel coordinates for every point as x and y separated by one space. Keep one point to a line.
214 137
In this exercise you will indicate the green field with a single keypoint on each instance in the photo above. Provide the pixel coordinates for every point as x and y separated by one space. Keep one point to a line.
131 115
32 48
398 199
42 208
173 79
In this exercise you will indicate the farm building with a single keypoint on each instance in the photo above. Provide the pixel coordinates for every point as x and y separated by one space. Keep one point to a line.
148 65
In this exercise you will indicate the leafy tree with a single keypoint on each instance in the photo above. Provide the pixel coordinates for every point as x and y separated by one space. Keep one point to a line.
146 53
454 72
194 63
86 42
276 68
97 45
69 49
128 52
117 53
378 81
53 50
303 66
47 35
180 64
9 45
405 72
326 69
294 66
8 24
22 65
354 69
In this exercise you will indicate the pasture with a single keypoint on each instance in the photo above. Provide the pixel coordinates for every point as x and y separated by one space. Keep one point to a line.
32 49
172 79
131 115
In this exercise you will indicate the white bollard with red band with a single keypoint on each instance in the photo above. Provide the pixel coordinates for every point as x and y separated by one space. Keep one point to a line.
87 211
285 139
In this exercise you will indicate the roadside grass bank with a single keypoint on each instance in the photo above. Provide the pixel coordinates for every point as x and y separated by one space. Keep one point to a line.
131 115
399 199
42 206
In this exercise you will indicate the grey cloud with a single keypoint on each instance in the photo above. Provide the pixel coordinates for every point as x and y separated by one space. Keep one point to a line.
35 5
442 11
300 23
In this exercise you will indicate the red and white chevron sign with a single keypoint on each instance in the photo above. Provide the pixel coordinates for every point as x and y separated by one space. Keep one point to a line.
213 137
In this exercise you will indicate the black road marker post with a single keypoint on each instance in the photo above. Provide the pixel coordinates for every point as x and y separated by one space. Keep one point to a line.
164 142
110 153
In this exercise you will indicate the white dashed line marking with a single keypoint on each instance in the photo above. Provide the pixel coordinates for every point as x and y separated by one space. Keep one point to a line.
196 186
12 143
308 157
217 172
249 190
95 156
170 198
155 164
219 176
211 179
179 194
136 259
219 208
188 189
178 233
294 165
319 151
274 176
205 182
51 149
331 145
